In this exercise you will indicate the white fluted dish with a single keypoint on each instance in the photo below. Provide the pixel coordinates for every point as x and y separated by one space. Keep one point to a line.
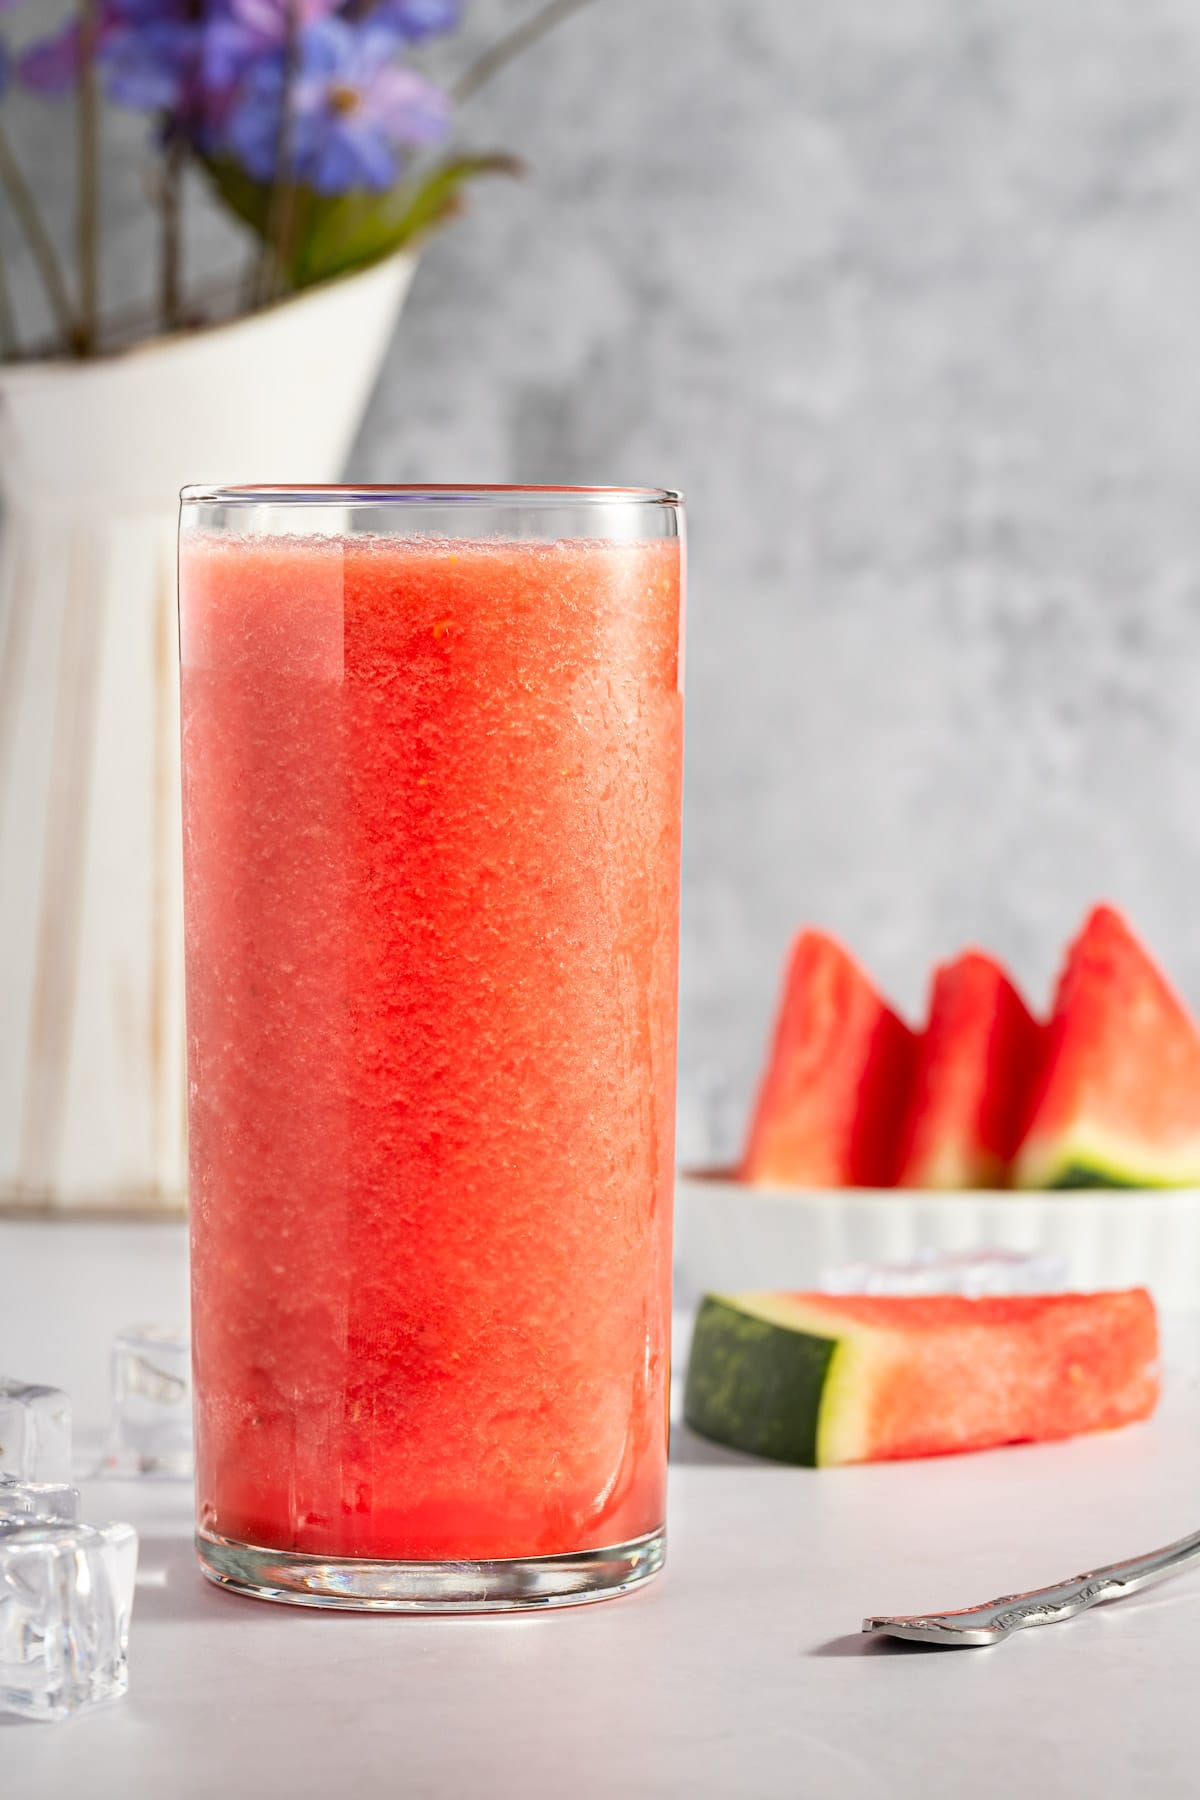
730 1236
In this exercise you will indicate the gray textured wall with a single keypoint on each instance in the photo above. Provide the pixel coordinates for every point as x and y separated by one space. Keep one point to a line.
907 298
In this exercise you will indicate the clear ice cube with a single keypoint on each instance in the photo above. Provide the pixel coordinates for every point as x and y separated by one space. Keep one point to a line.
151 1428
35 1431
66 1593
974 1273
23 1502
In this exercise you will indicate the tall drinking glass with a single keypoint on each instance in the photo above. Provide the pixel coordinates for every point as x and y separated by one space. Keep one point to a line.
431 779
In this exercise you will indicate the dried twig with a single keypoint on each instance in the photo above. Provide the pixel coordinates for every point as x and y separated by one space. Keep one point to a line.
519 39
281 204
49 268
171 204
9 341
88 221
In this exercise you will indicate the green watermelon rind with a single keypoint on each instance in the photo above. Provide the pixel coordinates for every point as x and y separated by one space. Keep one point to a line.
794 1378
1118 1100
760 1382
1077 1176
1078 1165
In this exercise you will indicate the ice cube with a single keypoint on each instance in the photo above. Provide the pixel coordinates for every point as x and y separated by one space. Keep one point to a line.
35 1432
66 1593
151 1428
21 1502
974 1273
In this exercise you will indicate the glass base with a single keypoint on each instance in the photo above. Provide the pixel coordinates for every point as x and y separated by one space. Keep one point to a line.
369 1584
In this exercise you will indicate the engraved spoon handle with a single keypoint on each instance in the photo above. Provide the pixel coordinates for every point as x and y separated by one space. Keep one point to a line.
993 1622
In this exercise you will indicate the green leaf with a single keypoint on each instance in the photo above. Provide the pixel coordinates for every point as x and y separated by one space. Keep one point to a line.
332 235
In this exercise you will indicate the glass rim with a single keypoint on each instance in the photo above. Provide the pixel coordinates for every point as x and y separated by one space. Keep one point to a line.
427 494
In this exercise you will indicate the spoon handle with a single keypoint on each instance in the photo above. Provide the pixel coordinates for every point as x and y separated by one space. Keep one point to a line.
993 1622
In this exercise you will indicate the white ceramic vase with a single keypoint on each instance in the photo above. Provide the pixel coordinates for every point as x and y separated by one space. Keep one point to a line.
92 457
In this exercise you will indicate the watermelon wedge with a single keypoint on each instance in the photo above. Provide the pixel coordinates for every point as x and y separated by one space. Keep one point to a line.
1118 1100
821 1379
977 1061
835 1091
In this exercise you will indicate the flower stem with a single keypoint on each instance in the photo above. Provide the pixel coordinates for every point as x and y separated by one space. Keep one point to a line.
170 271
9 341
285 235
281 205
20 195
88 222
513 44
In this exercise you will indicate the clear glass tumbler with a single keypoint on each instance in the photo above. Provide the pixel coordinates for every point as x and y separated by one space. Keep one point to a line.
431 776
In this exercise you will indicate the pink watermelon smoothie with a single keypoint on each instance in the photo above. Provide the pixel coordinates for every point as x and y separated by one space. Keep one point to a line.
431 819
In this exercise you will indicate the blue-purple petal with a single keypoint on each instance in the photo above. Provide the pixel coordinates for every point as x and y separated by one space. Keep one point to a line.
148 69
408 107
343 161
50 66
214 75
252 136
268 20
414 20
228 54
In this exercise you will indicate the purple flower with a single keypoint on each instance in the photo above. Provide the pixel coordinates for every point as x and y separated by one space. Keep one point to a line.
178 60
214 75
153 55
143 48
152 67
410 21
352 109
227 53
268 21
413 20
50 67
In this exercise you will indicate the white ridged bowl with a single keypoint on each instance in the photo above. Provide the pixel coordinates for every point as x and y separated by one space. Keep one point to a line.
730 1236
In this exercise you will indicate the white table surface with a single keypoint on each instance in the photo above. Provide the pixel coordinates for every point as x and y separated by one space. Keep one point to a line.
740 1672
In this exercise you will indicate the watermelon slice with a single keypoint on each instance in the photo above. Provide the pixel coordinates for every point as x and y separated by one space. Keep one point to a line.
836 1087
820 1379
1118 1100
976 1065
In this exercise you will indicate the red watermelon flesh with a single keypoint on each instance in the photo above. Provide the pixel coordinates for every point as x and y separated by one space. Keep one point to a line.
835 1091
977 1061
1118 1100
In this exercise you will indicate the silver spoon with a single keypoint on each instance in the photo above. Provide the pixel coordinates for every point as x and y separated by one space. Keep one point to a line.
995 1621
